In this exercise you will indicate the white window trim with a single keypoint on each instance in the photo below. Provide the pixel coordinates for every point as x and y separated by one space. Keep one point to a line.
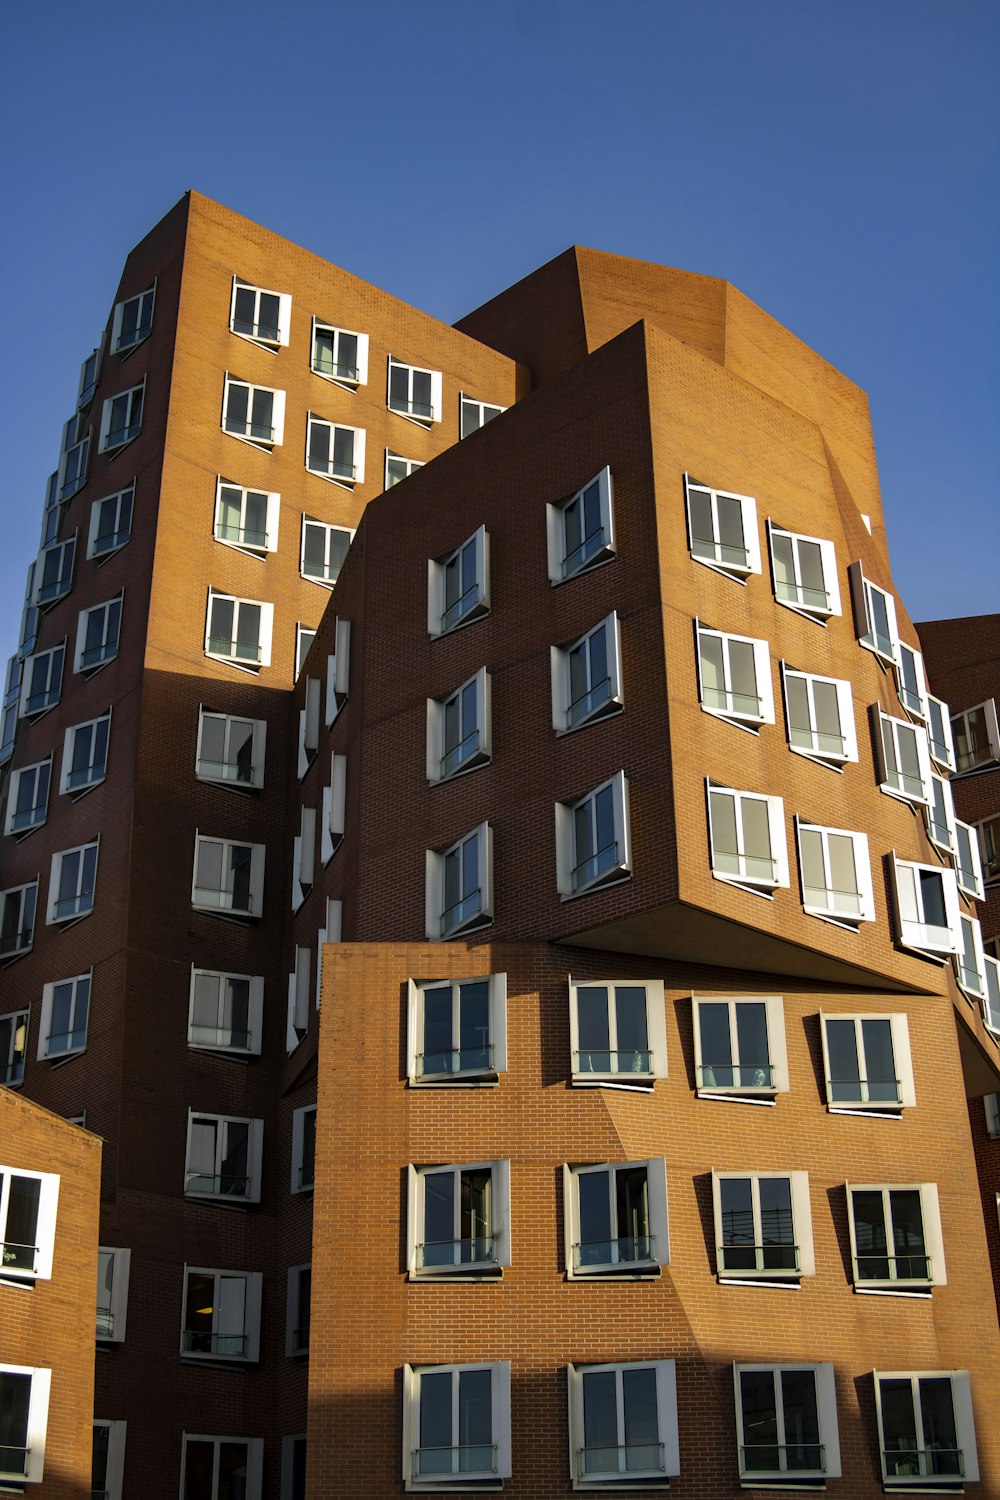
826 1412
974 990
902 1060
65 770
109 647
563 719
244 664
301 632
666 1427
883 723
309 725
499 1222
21 891
603 549
776 832
334 811
916 710
338 671
297 1184
568 884
347 382
482 407
974 887
45 1225
435 887
87 387
118 319
55 878
303 857
255 1014
258 745
115 1471
272 518
299 984
28 673
328 528
257 856
64 580
930 1218
342 481
44 1053
828 563
801 1229
255 1462
482 754
255 1141
38 1416
497 1001
947 760
861 592
989 707
862 872
762 679
39 809
914 932
277 414
121 1263
251 1316
284 315
478 607
656 1035
412 464
436 410
500 1411
106 445
292 1310
961 1394
943 838
751 537
845 711
777 1050
120 541
657 1228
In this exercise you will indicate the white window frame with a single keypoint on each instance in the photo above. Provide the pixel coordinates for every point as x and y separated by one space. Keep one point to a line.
246 663
329 531
989 871
480 408
473 602
256 896
309 725
801 1229
863 592
90 371
16 824
597 546
569 715
991 999
304 857
55 657
710 554
891 781
55 881
240 542
654 1239
222 773
255 1014
111 634
989 708
299 989
338 671
496 1047
971 981
914 932
114 1473
500 1426
26 897
255 1141
572 879
435 412
304 637
124 503
930 1219
254 1464
498 1226
633 1075
779 877
33 1469
250 1336
40 1268
411 465
624 1475
72 471
69 742
913 699
961 1395
113 440
437 927
942 750
15 1051
828 565
81 997
826 1413
940 815
777 1050
829 912
899 1032
277 426
333 820
746 719
300 1182
64 553
294 1345
330 472
444 764
144 321
339 377
254 335
111 1329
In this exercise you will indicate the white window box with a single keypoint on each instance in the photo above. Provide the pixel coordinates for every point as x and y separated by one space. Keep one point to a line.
121 419
324 549
836 874
13 1047
304 857
734 677
309 725
615 1218
107 1467
24 1401
238 631
304 638
414 393
97 634
246 519
874 616
133 321
587 677
903 758
230 750
41 682
223 1158
798 1404
867 1063
89 372
85 756
263 317
739 1046
335 452
763 1226
942 746
253 413
927 908
303 1149
747 837
333 819
228 877
28 1205
987 853
221 1315
456 1425
580 529
340 355
72 472
970 960
926 1432
226 1012
896 1242
459 729
459 885
458 585
53 576
593 845
722 530
940 815
458 1220
398 468
456 1030
911 684
71 883
804 569
17 920
617 1032
235 1466
623 1425
110 523
976 736
338 671
113 1267
28 798
475 414
62 1031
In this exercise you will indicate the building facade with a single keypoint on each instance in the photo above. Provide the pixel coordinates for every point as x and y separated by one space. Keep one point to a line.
528 701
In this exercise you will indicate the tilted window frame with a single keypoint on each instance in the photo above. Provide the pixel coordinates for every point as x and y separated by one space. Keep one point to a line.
828 1431
437 710
964 1424
560 660
437 608
656 1035
624 1477
256 337
496 1046
277 425
499 1227
862 870
780 880
762 678
801 1229
499 1425
774 1019
602 546
342 378
930 1223
899 1033
657 1229
738 571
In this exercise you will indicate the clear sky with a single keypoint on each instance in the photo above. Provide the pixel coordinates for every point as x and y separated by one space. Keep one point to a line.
838 160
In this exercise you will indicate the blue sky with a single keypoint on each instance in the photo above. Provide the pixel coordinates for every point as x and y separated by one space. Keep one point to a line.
839 162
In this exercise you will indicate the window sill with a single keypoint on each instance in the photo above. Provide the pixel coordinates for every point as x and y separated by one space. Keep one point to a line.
732 1096
618 876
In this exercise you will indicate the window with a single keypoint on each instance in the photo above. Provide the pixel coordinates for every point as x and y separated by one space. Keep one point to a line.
991 1107
896 1237
458 1219
722 529
246 518
836 874
988 839
739 1046
334 809
133 321
239 630
414 392
941 815
970 960
223 1158
72 471
304 638
41 684
457 1029
339 354
65 1010
262 316
867 1063
28 797
623 1424
925 1429
458 585
221 1318
927 908
615 1218
110 523
293 1468
28 1203
587 677
85 755
786 1423
10 708
398 468
230 749
593 846
304 1148
108 1460
54 572
297 1310
323 550
747 836
475 414
309 725
910 681
734 677
904 765
24 1414
113 1266
254 413
459 891
581 530
226 1011
13 1046
71 883
89 371
874 616
456 1424
805 573
338 453
221 1468
121 420
97 635
459 729
991 999
939 734
763 1226
304 857
17 920
976 736
228 876
338 671
617 1032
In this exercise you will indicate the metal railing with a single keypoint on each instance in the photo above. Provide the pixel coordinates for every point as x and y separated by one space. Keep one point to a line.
782 1458
14 1461
455 758
865 1090
604 1060
597 864
775 1257
224 645
221 1036
455 1254
583 552
456 1060
462 911
736 1076
720 552
917 1462
624 1458
635 1249
15 1257
263 431
219 1185
875 1267
589 702
16 942
461 607
466 1458
225 1345
73 906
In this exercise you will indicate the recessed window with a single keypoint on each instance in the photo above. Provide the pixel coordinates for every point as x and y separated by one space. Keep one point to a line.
338 671
940 814
309 725
896 1237
836 874
24 1415
255 413
338 453
304 638
304 857
110 522
970 960
226 1012
459 729
976 736
988 838
456 1425
911 683
230 749
867 1063
939 733
580 529
333 813
223 1158
28 1203
739 1046
239 630
65 1012
927 908
108 1460
97 635
85 755
221 1468
304 1149
324 549
113 1266
228 876
457 1030
623 1424
414 392
71 883
722 529
265 317
72 471
475 414
459 890
617 1032
747 836
587 677
874 616
121 420
615 1217
246 518
786 1424
926 1433
593 846
904 763
41 682
89 372
763 1226
338 354
297 1310
17 920
13 1047
805 573
54 572
133 321
221 1316
28 798
734 677
458 585
398 468
459 1219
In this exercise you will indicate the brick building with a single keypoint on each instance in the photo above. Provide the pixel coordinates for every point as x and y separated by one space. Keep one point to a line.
594 790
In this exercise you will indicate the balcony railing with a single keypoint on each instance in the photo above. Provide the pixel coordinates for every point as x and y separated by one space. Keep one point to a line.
227 770
456 757
221 1036
458 1060
917 1463
14 1462
84 775
461 607
216 900
18 941
95 655
635 1062
105 1323
462 911
224 645
782 1458
625 1458
220 1185
589 702
892 1267
224 1345
300 1340
15 1257
635 1249
246 536
594 866
262 431
119 436
727 1075
583 552
468 1458
73 906
865 1090
436 1255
